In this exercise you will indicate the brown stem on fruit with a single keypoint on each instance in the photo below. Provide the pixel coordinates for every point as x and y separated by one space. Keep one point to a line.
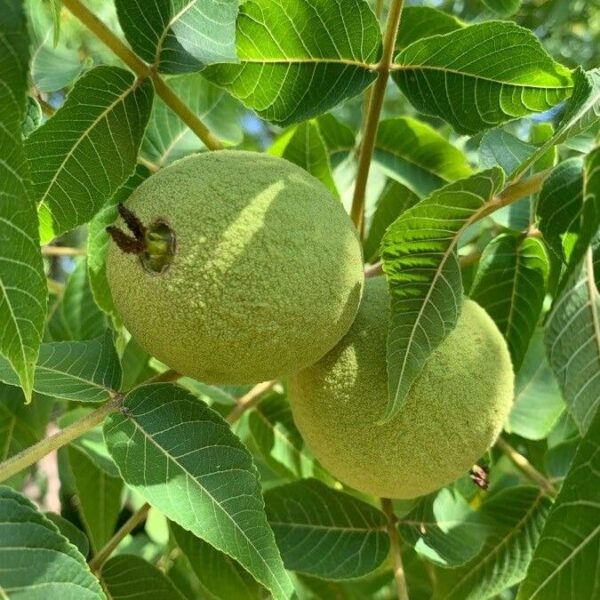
133 222
480 476
126 243
388 509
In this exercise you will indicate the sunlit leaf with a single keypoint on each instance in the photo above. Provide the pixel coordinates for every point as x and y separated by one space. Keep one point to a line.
481 76
178 36
300 58
185 461
22 280
82 371
423 22
504 8
420 262
81 156
417 156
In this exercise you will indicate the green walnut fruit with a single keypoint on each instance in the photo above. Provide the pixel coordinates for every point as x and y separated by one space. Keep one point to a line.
239 268
452 415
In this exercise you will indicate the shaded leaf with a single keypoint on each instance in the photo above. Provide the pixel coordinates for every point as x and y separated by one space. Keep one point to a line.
168 138
185 461
306 148
81 156
511 285
420 262
23 289
300 58
573 343
499 147
72 533
81 371
179 36
127 576
417 156
563 563
444 529
481 76
76 315
515 518
351 535
559 206
395 199
221 577
538 402
279 441
423 22
98 498
37 561
339 138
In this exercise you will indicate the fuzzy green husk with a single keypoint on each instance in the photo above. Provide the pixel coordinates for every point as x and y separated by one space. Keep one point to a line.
453 414
267 273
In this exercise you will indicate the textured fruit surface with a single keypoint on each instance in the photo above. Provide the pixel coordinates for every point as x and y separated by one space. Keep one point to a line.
267 273
454 411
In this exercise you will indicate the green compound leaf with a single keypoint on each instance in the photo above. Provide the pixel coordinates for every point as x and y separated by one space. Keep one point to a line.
504 8
299 58
511 285
515 518
559 206
339 138
37 561
305 147
279 441
481 76
395 199
23 289
184 460
420 262
499 147
80 371
351 535
220 577
444 529
582 113
573 342
417 156
562 566
76 315
168 138
538 402
422 22
71 532
127 576
99 498
180 36
81 156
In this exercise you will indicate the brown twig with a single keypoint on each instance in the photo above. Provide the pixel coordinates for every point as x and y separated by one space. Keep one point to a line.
142 70
62 251
249 400
399 576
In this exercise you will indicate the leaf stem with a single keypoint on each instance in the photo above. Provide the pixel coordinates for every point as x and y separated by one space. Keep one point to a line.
373 114
164 377
526 467
142 70
249 400
62 251
388 509
104 553
31 455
